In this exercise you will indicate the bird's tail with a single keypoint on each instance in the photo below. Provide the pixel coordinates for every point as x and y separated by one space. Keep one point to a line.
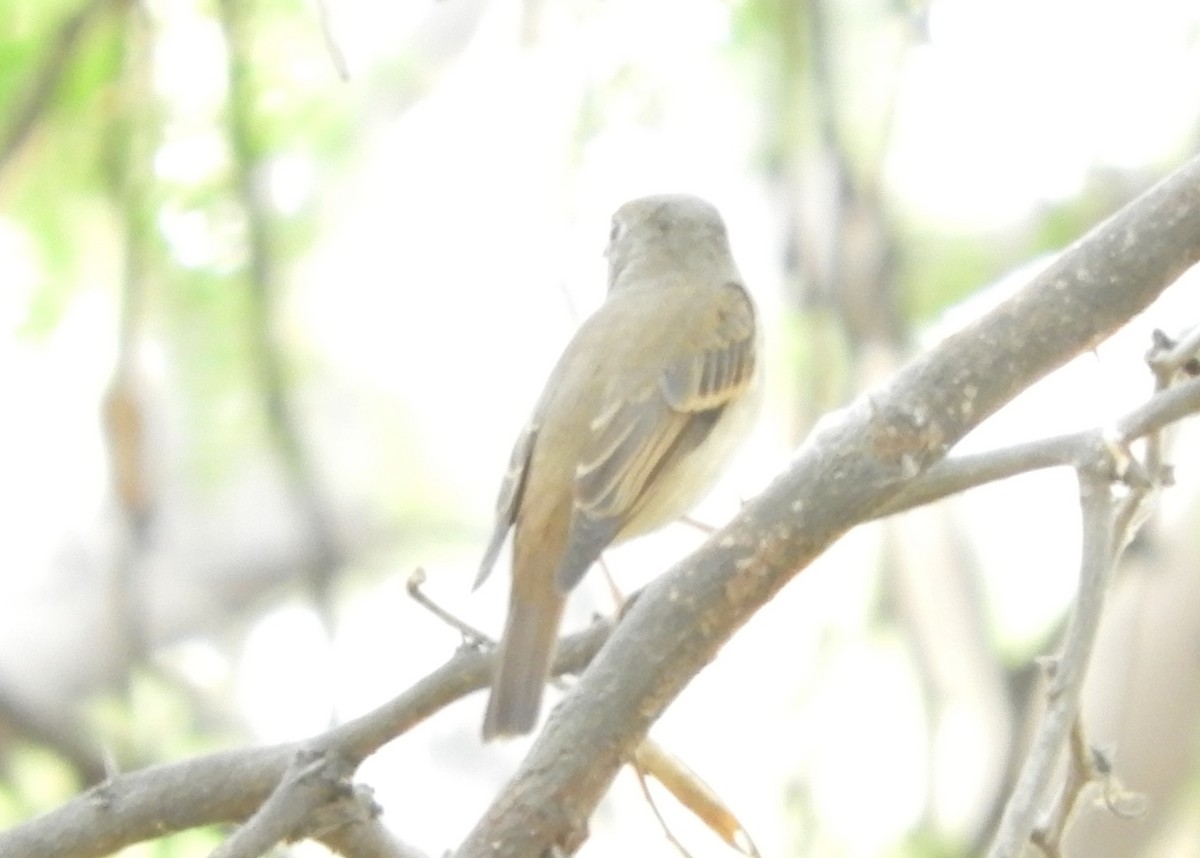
526 651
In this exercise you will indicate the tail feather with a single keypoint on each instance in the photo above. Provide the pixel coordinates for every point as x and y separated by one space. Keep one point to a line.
525 654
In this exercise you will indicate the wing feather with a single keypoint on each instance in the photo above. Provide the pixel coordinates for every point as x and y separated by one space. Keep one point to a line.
512 487
639 433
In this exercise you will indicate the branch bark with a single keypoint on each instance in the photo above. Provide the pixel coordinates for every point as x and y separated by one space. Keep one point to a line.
841 477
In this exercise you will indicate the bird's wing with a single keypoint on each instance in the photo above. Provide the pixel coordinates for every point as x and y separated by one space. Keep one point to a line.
638 433
509 501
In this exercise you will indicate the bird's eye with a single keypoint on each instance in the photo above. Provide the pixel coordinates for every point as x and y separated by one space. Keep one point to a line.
615 231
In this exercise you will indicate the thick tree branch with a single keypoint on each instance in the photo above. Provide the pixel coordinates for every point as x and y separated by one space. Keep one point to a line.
841 477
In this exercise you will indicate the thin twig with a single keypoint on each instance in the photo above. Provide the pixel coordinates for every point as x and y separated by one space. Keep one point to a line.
662 822
473 636
959 473
1066 672
1080 773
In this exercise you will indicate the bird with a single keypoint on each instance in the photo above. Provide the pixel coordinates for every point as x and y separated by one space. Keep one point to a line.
636 421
